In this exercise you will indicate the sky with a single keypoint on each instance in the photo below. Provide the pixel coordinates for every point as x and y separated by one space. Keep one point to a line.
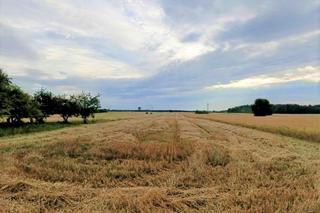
164 54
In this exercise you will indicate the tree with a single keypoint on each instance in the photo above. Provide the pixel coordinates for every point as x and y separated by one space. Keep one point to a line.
19 105
240 109
67 107
34 112
262 107
87 105
5 84
295 109
16 104
47 102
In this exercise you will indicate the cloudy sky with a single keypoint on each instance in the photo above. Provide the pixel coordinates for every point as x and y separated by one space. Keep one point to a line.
165 54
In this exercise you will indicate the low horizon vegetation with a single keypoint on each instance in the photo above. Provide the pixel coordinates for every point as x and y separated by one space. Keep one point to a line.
279 109
17 105
8 130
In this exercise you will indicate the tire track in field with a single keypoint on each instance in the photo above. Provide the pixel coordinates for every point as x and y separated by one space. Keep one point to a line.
244 143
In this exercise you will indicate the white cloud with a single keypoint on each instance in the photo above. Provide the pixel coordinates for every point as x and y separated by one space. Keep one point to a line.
137 27
255 50
59 42
61 62
67 89
308 73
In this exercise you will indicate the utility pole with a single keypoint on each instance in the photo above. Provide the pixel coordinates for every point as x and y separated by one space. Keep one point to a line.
207 107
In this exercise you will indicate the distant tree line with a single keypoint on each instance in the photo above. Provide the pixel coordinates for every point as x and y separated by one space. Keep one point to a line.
102 110
16 105
146 110
240 109
296 109
280 109
201 112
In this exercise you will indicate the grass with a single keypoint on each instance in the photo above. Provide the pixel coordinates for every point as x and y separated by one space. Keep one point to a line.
305 127
32 128
163 163
56 122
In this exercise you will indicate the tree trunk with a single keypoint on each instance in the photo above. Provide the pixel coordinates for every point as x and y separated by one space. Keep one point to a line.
65 119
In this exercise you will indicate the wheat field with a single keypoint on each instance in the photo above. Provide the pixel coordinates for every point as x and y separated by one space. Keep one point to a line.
302 126
165 162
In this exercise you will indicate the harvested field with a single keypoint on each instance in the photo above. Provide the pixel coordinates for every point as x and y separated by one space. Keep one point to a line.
171 162
305 126
55 122
100 117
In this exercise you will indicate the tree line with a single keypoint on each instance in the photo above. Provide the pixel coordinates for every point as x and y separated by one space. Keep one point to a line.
16 105
281 109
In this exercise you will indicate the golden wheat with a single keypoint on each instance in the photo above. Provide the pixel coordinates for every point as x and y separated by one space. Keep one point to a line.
305 127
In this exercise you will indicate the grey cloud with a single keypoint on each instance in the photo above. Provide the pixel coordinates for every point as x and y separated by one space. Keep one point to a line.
191 37
13 43
178 84
279 20
185 12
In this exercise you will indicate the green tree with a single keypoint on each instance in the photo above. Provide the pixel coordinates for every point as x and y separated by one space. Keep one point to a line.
262 107
47 102
5 85
67 107
34 113
87 105
19 105
16 104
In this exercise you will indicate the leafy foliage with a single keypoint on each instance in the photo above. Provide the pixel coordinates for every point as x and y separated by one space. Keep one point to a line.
262 107
281 109
5 84
240 109
47 102
87 105
201 112
67 107
296 109
16 105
